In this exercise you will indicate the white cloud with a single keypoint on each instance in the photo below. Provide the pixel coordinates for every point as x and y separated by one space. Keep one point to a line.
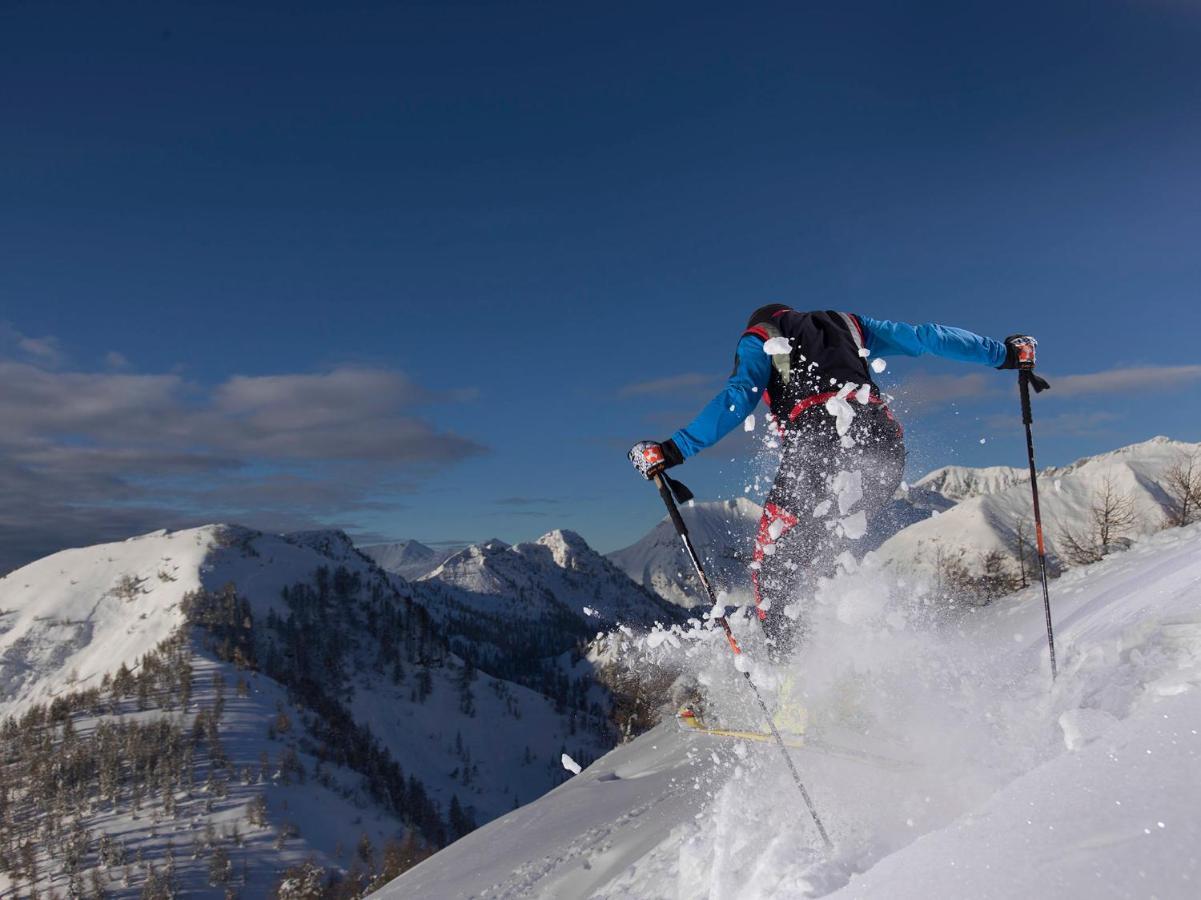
924 391
1131 378
669 385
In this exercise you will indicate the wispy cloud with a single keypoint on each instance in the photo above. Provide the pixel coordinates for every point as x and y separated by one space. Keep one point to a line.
528 501
1123 380
46 350
924 391
1073 424
669 385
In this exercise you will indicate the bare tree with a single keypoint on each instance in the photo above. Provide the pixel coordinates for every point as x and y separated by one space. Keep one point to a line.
1110 518
1182 483
996 578
1022 545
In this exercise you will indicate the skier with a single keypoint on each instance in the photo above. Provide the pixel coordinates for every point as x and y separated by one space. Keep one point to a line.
843 450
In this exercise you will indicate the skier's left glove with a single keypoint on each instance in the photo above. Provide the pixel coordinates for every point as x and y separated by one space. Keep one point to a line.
651 457
1019 352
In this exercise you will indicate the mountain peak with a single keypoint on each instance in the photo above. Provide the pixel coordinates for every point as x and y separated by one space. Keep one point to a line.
331 542
564 537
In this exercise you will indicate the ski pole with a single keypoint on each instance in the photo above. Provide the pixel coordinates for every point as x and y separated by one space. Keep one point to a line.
666 488
1026 379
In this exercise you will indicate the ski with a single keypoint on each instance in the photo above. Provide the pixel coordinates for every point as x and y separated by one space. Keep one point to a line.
689 722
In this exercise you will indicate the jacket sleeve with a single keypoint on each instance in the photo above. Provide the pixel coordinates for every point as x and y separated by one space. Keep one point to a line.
898 338
722 414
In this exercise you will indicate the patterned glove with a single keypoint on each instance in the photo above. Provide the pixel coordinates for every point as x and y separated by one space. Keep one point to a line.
651 457
1019 352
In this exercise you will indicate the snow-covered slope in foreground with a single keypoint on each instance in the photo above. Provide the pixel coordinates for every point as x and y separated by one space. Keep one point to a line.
1015 787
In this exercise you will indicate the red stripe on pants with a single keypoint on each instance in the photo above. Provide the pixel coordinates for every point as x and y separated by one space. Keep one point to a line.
771 514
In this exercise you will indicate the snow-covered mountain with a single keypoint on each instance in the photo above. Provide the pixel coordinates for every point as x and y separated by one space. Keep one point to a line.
723 532
991 504
1006 785
408 559
227 703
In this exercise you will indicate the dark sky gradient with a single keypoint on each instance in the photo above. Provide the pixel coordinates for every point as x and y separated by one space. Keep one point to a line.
526 208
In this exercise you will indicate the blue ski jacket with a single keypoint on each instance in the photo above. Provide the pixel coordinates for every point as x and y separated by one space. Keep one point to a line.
752 372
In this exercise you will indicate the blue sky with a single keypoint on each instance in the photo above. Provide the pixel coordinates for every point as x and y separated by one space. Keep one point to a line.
427 270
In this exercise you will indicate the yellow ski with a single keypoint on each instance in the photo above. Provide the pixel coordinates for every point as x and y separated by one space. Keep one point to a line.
689 721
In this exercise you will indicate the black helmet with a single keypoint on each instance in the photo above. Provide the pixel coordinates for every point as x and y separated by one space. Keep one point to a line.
765 314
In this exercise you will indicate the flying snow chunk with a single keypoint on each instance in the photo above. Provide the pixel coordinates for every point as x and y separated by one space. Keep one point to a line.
864 394
748 424
848 488
589 611
841 411
570 764
864 352
854 526
776 346
847 561
879 365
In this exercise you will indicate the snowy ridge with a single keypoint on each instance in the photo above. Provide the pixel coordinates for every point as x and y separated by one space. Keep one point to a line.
962 482
1021 789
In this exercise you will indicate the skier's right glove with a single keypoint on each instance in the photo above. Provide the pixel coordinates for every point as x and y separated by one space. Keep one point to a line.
651 457
1019 352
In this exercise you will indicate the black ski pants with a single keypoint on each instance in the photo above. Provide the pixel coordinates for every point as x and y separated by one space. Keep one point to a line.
828 489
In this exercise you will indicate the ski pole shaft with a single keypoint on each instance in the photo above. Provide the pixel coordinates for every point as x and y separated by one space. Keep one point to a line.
1027 421
677 520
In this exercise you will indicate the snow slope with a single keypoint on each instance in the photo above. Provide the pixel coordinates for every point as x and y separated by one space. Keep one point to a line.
65 620
1013 787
